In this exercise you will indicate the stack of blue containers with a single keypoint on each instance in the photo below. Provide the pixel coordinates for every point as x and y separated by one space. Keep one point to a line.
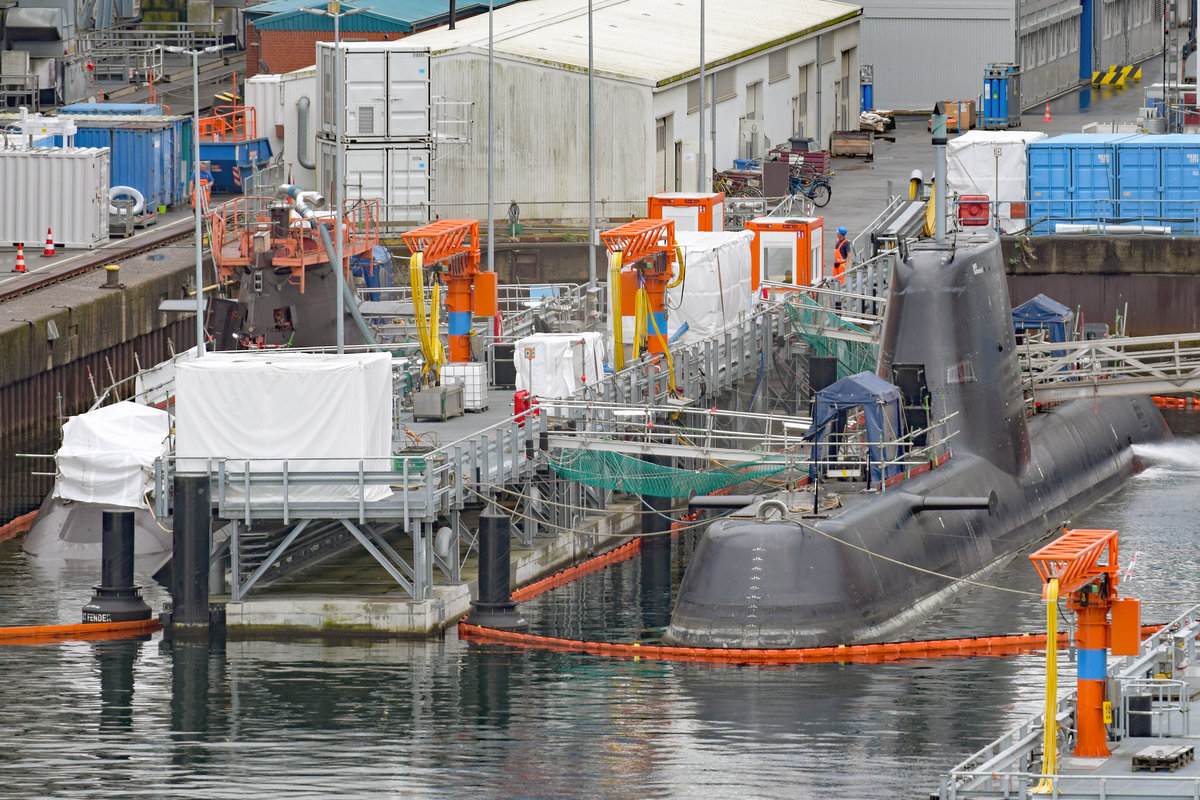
1142 180
149 153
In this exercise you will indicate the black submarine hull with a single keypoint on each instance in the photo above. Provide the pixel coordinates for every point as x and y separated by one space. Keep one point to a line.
883 564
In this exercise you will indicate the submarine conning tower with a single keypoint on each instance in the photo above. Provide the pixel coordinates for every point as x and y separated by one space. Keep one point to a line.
949 312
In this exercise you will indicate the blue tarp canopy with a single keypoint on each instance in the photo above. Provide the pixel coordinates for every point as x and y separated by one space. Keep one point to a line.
1042 313
880 402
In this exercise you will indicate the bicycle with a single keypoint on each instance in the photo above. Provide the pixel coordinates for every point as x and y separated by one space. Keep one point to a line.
807 181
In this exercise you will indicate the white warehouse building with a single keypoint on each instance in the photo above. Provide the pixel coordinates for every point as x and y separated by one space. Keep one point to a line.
785 67
923 51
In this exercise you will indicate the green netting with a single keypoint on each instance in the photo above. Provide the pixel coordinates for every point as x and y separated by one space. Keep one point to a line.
624 473
852 357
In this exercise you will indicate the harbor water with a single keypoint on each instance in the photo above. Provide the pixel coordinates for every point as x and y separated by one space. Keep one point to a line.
394 719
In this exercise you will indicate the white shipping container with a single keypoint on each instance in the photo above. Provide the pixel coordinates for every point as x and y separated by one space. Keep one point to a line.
473 378
289 101
385 93
64 189
398 176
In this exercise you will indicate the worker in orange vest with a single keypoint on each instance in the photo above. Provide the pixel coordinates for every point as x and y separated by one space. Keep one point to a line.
841 255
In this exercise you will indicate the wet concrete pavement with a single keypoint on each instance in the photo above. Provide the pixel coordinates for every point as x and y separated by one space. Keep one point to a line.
860 187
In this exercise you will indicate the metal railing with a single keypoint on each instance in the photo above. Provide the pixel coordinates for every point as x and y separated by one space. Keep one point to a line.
1009 766
1111 367
1106 216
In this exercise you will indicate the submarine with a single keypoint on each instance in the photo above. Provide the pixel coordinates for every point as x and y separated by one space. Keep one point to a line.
777 573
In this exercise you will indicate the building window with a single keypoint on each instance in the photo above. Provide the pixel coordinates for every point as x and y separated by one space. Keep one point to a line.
693 89
800 120
725 88
777 66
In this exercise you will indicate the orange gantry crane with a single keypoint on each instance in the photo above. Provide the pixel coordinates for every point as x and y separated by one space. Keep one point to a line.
449 249
642 257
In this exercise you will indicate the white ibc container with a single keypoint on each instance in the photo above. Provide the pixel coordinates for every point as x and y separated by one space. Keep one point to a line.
64 189
473 378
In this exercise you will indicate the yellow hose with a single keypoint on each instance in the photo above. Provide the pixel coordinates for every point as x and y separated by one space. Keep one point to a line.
614 291
679 261
427 325
1050 737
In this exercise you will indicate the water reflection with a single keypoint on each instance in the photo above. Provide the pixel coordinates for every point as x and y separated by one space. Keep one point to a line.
444 719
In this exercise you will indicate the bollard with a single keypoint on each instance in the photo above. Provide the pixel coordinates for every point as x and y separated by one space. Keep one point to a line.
494 607
116 599
112 277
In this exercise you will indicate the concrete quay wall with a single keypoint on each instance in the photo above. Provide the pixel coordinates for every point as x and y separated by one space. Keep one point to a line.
1156 278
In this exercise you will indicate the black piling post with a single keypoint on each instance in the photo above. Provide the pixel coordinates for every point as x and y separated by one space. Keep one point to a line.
656 562
189 562
494 607
116 599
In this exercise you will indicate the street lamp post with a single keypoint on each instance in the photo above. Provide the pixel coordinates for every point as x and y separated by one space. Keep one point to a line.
195 54
334 9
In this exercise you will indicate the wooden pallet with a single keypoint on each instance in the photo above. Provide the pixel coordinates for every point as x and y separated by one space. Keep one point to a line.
1153 759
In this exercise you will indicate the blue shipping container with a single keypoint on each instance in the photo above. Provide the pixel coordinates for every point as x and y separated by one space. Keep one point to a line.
223 157
123 109
172 175
1072 178
1159 180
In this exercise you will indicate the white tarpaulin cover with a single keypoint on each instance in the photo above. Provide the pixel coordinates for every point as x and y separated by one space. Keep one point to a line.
715 291
972 167
156 386
321 413
556 365
107 455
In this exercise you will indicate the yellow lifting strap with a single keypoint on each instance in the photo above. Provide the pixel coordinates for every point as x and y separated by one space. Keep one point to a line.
1050 736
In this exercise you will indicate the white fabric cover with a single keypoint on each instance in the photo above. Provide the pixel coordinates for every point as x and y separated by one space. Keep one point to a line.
308 408
107 455
156 386
973 168
715 292
556 365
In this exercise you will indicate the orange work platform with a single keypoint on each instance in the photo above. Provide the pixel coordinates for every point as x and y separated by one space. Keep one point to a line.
237 223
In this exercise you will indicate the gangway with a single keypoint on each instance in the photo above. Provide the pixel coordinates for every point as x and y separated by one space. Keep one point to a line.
1112 367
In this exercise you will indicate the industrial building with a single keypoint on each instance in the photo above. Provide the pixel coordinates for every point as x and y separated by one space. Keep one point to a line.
281 35
923 52
775 70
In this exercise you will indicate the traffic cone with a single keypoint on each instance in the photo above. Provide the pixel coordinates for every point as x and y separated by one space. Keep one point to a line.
49 251
20 267
1046 116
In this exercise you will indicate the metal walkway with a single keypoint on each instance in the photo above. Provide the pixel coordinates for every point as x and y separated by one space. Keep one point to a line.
392 505
1112 367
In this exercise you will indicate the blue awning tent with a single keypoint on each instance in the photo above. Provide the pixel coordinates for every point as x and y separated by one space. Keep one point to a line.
1043 313
883 417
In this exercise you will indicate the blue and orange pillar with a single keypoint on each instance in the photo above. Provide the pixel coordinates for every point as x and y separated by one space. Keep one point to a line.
1091 639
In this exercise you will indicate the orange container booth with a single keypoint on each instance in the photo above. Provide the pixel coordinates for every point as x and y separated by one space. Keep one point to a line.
787 250
691 211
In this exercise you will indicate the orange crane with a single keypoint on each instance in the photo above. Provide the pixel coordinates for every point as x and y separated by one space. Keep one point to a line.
642 255
1082 566
449 248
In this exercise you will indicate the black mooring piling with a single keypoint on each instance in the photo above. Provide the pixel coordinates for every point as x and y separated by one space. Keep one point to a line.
189 562
494 607
116 599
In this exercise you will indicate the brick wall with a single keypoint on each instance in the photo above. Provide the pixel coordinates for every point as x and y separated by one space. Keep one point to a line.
284 51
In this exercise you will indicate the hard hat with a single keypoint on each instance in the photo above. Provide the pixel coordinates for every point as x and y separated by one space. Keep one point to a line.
842 231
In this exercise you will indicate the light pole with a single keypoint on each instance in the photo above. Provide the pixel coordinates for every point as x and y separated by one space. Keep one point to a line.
334 9
195 54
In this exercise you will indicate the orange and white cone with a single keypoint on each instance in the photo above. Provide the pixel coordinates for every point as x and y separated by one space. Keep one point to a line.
1046 116
49 251
20 267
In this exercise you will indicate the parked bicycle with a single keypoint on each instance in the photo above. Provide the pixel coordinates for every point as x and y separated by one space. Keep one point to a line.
805 180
